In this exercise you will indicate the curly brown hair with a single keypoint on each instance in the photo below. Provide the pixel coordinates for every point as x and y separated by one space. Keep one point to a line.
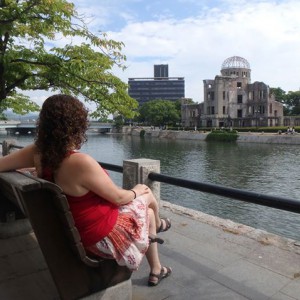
61 127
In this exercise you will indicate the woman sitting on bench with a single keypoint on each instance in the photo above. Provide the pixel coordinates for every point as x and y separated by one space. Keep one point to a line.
112 222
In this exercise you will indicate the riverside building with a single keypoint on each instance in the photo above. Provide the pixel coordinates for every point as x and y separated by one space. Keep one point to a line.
161 86
231 100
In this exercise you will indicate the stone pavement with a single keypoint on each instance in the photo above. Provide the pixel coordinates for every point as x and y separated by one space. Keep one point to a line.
214 258
211 258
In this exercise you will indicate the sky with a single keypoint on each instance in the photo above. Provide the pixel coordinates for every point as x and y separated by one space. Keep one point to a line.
194 37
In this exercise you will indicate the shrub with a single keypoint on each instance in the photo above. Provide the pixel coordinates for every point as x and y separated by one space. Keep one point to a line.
222 136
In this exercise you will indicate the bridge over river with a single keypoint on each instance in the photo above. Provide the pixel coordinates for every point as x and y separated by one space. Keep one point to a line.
29 127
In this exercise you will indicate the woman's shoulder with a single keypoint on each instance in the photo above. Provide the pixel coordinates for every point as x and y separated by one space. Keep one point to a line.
77 164
80 159
80 155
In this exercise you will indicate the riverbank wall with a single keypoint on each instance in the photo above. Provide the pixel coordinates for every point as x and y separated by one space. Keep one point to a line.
243 137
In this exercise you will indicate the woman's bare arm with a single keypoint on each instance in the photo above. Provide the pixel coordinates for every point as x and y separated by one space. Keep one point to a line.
23 158
87 175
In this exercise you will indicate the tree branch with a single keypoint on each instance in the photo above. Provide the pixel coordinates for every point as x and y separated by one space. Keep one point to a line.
18 82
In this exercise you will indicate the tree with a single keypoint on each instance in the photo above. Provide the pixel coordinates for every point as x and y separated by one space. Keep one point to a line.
30 60
293 102
159 112
280 96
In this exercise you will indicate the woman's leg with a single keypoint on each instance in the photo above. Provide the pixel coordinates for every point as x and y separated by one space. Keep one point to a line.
157 272
152 252
152 203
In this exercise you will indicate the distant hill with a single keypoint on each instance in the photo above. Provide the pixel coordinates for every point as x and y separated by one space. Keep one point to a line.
12 116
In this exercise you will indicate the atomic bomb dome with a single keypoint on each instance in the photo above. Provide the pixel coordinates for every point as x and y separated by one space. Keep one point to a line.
231 100
236 66
235 62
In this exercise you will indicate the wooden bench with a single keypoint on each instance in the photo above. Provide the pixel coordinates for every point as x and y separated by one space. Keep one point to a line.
76 274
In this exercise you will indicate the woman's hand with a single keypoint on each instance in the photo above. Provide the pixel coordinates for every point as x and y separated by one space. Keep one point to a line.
141 189
30 171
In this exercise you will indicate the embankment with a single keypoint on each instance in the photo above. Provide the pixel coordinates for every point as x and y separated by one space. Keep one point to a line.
243 137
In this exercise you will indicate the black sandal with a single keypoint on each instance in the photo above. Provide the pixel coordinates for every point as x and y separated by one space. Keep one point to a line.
155 239
167 222
160 276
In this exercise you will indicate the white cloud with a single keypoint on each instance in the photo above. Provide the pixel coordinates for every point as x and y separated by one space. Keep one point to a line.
195 37
263 32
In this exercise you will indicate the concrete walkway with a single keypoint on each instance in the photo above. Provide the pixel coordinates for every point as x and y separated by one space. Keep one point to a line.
211 258
217 259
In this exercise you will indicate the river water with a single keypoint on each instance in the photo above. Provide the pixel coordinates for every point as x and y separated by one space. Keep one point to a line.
264 168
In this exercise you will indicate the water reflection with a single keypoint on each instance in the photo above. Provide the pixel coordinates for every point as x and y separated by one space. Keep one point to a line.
266 168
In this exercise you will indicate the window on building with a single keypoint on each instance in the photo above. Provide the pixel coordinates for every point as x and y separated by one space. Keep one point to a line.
210 95
239 113
212 110
224 110
238 84
270 108
240 99
208 110
261 95
224 95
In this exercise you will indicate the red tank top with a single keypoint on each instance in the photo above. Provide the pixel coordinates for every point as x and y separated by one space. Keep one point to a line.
94 216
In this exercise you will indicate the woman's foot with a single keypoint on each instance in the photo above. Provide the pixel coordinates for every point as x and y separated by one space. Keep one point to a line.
165 224
155 279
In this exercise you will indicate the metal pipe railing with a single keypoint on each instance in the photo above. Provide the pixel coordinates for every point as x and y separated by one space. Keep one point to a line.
287 204
282 203
111 167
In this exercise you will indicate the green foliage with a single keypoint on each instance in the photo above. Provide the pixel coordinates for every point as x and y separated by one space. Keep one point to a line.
291 101
159 113
20 104
119 122
2 117
222 136
273 129
29 59
279 94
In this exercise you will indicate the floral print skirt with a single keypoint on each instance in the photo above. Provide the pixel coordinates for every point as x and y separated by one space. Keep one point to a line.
128 241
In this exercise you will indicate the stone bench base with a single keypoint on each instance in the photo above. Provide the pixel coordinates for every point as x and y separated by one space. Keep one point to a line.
121 291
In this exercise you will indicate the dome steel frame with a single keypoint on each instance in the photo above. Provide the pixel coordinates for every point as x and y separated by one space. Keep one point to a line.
235 62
